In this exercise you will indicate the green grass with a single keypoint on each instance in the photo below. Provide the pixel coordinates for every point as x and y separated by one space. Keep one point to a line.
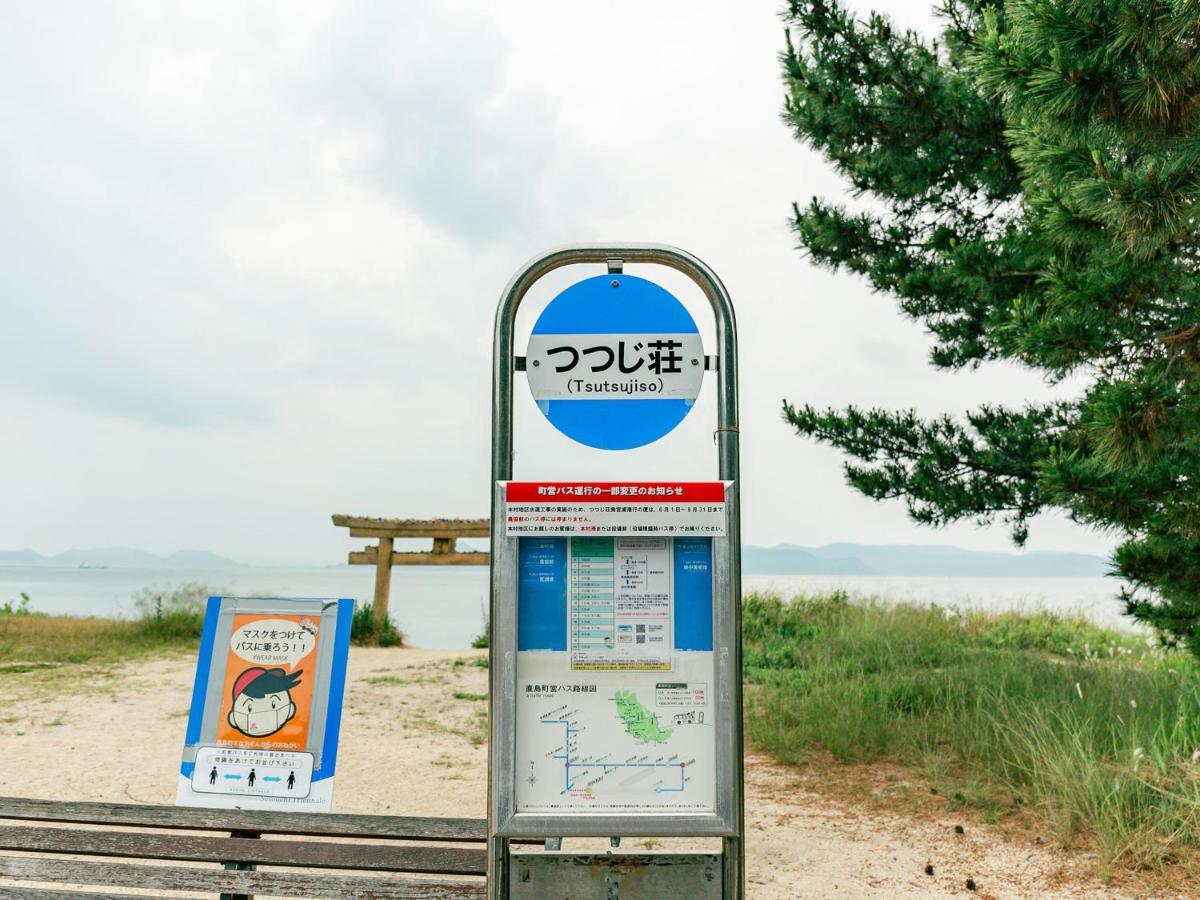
163 620
1094 730
166 619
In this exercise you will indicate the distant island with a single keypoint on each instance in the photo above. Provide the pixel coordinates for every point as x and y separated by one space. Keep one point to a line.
782 559
917 559
117 557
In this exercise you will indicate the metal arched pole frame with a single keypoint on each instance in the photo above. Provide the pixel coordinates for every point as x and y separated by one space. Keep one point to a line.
504 365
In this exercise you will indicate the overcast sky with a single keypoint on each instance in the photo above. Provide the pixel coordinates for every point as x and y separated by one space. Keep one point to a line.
250 254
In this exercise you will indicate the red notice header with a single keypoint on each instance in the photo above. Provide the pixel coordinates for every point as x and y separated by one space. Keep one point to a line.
615 491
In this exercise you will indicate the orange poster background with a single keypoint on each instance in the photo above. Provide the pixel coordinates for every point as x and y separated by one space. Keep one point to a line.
293 735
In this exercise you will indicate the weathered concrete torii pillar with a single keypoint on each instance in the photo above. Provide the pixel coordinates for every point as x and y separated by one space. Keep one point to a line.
445 534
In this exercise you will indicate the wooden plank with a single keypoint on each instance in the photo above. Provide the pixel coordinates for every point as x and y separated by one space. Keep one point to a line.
367 526
458 558
24 893
368 557
307 824
663 876
418 532
191 848
273 882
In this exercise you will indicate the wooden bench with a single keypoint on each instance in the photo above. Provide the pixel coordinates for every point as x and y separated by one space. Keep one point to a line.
221 848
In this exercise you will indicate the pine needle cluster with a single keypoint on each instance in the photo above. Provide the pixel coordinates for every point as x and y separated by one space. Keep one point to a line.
1035 172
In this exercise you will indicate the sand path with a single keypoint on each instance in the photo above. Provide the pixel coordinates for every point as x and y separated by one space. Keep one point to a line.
414 743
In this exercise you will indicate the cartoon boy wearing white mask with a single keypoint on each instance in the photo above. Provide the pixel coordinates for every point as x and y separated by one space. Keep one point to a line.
262 702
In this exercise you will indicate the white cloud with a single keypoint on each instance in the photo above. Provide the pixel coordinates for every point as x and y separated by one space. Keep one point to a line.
250 256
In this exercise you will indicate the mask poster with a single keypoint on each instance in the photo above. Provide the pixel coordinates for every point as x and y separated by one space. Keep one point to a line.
267 697
266 704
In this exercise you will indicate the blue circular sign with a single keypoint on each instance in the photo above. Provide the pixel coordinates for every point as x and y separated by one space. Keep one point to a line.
615 362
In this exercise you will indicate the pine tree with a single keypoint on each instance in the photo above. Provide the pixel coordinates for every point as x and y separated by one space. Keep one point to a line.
1035 172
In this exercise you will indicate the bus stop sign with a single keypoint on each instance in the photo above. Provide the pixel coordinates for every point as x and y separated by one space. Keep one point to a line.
615 362
615 691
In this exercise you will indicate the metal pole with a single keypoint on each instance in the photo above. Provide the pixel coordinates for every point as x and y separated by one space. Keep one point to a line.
241 867
727 464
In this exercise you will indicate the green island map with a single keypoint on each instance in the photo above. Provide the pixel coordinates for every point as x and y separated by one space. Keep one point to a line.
641 724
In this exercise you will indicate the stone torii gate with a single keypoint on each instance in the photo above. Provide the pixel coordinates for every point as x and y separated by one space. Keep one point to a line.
445 534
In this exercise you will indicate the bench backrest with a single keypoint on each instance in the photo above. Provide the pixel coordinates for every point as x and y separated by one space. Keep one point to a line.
362 854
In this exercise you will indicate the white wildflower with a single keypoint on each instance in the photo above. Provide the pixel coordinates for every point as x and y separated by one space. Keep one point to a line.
1138 752
1133 703
1196 755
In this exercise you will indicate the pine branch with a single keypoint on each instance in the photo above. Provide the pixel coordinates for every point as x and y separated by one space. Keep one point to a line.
1034 180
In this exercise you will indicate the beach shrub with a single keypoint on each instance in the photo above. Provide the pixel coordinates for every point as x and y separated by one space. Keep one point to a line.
173 614
1094 729
22 606
482 640
366 631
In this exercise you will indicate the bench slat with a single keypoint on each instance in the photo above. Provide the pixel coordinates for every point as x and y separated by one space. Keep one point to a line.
192 848
275 883
299 823
24 893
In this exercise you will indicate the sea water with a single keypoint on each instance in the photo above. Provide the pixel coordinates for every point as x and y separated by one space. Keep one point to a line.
435 606
446 606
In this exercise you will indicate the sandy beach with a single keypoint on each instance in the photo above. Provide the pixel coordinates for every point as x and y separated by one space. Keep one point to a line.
414 743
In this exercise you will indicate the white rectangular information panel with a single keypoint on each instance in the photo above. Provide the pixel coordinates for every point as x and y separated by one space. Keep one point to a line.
615 508
602 744
252 773
555 371
614 661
